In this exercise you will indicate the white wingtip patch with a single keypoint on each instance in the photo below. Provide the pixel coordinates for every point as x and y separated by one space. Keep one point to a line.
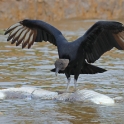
31 38
27 36
19 32
121 34
14 26
16 30
23 33
120 40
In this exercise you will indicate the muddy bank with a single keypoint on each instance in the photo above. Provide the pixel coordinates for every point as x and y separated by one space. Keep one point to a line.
53 10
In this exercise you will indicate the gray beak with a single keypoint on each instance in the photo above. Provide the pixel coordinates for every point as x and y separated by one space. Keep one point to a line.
57 70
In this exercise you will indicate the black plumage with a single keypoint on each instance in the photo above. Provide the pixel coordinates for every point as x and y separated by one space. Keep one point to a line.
100 38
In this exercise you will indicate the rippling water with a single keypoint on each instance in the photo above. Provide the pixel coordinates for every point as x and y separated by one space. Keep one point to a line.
31 67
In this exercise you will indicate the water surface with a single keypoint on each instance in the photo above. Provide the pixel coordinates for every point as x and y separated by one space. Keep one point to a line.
31 67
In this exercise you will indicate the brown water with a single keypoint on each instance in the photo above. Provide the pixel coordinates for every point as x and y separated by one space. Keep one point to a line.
31 67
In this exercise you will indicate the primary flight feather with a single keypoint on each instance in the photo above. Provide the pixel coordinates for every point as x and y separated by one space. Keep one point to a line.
74 57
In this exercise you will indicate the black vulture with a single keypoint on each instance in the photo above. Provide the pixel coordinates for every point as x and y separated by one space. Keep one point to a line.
74 57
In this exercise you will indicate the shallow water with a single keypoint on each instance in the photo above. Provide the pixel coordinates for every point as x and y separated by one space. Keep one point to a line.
31 67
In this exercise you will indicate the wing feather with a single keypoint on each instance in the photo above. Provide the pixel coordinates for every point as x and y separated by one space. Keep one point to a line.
13 33
17 35
102 37
26 39
12 27
22 36
38 31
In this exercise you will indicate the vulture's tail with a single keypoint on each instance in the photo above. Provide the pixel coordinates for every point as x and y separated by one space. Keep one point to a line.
91 69
88 69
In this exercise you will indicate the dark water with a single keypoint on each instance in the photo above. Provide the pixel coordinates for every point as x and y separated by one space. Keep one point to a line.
31 67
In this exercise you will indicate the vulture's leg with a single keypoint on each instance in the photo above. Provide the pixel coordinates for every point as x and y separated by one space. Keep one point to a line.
77 71
75 84
68 80
75 80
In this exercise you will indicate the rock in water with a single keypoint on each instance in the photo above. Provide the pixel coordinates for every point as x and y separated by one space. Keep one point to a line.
43 94
35 93
92 96
26 92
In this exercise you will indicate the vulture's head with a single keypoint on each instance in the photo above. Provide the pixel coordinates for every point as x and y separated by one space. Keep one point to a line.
61 64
